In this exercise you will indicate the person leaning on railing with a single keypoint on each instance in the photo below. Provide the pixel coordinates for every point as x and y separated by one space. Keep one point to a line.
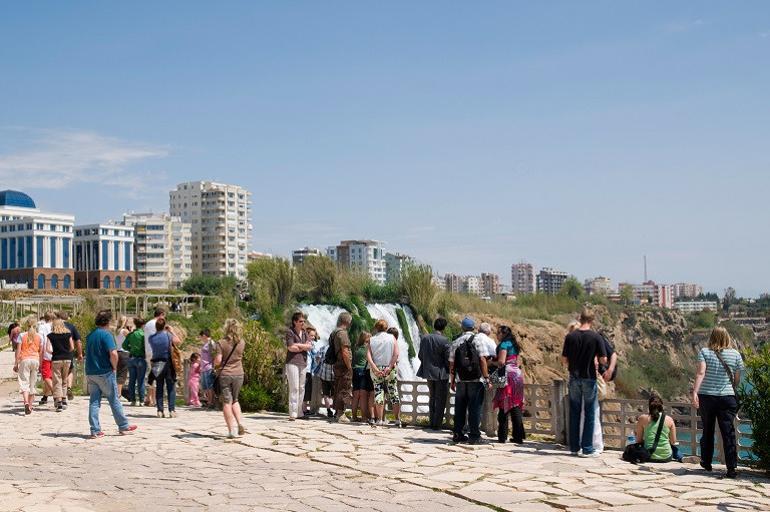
717 378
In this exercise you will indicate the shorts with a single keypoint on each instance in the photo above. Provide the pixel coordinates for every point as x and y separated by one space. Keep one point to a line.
122 371
46 370
231 387
327 388
362 380
207 380
308 387
386 388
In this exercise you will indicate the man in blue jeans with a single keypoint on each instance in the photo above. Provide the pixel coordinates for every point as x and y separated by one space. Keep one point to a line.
582 347
469 377
101 365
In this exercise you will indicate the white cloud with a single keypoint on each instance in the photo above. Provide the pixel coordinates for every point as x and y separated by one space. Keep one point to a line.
59 159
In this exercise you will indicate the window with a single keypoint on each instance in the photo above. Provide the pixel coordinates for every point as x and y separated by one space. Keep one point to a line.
117 282
52 227
105 255
106 282
28 251
39 251
41 282
115 255
54 262
13 253
54 282
20 253
4 256
129 283
66 252
127 256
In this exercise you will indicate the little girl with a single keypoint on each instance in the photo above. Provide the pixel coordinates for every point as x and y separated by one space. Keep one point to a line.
193 381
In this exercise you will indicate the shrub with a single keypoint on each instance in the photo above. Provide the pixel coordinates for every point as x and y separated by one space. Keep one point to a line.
263 364
755 400
317 280
208 285
254 397
404 325
417 285
702 320
271 282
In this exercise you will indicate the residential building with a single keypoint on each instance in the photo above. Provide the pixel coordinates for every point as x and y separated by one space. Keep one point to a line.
162 250
471 285
256 255
104 256
35 246
298 256
367 256
220 222
394 265
490 284
550 281
598 285
453 283
439 283
687 290
695 306
649 292
522 278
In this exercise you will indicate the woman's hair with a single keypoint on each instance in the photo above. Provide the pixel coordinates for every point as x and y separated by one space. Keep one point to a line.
138 322
11 327
363 338
381 326
507 334
160 324
719 339
655 406
194 357
233 330
30 325
122 323
573 325
394 332
312 329
298 315
59 327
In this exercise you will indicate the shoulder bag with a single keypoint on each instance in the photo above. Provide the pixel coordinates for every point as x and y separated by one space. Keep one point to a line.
635 453
217 385
731 376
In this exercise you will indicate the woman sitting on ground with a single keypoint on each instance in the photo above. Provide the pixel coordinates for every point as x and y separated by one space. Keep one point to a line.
383 358
509 401
647 428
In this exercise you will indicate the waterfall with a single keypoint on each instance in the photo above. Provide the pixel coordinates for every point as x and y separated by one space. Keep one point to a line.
323 318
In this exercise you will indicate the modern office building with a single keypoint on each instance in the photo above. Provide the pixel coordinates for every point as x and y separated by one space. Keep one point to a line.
104 256
366 256
35 246
550 281
298 256
220 222
522 278
598 285
490 284
394 265
162 250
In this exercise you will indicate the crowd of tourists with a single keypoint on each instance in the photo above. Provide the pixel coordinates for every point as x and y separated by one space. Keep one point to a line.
363 377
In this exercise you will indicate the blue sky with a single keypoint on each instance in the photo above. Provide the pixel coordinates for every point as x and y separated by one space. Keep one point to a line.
579 135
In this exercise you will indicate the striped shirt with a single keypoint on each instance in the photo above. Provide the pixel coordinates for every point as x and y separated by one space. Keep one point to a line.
717 382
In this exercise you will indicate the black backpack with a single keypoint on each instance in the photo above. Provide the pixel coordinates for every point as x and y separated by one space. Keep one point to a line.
331 353
467 364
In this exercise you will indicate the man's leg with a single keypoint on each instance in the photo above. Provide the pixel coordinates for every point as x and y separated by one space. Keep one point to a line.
442 394
589 409
141 373
132 380
575 405
114 400
476 403
94 402
502 425
432 388
461 408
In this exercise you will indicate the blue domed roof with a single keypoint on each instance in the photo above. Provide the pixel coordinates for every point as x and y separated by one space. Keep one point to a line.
16 198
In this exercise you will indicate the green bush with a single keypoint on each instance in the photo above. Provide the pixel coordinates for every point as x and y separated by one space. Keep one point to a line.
702 320
418 288
208 285
317 280
641 367
254 397
404 325
263 360
755 400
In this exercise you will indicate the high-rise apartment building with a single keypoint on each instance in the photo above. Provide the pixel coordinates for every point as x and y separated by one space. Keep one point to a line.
104 256
550 281
220 220
394 265
471 285
439 283
366 256
649 292
522 278
687 290
35 246
453 283
490 284
299 256
598 285
163 250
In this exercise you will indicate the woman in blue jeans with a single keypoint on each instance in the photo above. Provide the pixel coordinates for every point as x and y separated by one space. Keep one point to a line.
162 368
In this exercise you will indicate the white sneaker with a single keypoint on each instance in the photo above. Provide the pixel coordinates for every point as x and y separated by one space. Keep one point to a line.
589 455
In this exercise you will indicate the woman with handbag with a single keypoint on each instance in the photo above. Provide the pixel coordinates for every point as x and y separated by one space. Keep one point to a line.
714 394
229 376
509 400
647 427
163 369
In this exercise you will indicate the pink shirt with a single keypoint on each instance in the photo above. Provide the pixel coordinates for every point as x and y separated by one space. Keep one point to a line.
195 372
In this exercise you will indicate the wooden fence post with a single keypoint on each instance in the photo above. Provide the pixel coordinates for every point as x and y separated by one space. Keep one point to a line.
559 412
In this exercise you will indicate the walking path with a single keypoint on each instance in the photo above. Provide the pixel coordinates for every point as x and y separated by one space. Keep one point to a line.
48 463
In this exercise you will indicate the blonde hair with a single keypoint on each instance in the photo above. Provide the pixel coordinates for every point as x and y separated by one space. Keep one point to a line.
122 323
30 324
59 327
363 338
587 316
719 339
573 325
233 331
381 326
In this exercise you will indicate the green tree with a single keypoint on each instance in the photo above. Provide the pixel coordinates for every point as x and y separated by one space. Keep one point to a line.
209 285
572 288
417 286
627 294
317 279
755 400
271 281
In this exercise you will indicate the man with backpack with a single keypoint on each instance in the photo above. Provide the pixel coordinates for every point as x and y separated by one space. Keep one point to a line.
339 356
469 377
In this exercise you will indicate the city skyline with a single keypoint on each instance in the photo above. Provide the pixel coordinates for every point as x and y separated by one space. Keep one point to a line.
570 136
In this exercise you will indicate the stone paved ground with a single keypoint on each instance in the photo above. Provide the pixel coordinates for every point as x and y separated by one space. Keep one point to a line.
47 463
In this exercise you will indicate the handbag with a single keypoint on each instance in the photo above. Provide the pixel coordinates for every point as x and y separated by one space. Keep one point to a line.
217 385
635 453
731 376
499 378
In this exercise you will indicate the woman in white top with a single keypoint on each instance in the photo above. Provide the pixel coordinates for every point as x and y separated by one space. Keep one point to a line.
383 358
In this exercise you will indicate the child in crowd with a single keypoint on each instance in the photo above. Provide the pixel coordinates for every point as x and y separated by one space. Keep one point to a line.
193 381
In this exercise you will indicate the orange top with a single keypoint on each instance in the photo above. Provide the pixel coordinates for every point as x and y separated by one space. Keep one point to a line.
29 350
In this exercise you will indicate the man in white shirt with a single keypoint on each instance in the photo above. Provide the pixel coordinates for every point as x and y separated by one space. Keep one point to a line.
46 370
491 347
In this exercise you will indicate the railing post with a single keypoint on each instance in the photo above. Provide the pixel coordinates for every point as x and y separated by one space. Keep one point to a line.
488 417
558 412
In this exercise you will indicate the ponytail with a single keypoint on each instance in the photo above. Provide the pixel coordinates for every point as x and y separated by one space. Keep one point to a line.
655 407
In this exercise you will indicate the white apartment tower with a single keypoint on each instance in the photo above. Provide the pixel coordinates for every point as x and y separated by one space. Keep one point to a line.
220 219
366 256
163 250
